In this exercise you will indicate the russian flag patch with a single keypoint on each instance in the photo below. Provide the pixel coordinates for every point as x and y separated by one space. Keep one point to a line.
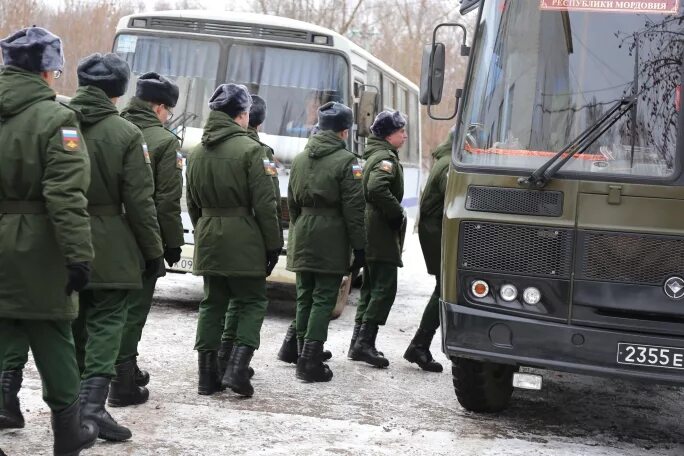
71 140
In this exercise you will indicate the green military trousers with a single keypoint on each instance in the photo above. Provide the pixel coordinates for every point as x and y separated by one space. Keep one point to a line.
98 330
242 297
15 355
377 293
430 320
53 350
316 299
138 308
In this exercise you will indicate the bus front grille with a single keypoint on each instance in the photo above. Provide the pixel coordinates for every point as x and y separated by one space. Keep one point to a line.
629 258
514 201
516 249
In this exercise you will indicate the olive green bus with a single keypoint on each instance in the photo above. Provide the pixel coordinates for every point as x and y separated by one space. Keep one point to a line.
563 229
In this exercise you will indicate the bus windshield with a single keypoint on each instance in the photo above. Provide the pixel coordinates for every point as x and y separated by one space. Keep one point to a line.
294 83
190 63
543 75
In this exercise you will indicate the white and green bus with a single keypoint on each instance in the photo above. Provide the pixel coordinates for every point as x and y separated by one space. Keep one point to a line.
293 65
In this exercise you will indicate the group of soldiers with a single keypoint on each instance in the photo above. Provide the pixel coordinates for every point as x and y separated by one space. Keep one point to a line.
90 209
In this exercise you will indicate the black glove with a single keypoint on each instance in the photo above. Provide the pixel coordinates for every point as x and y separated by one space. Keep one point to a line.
272 257
78 276
396 223
172 255
154 268
359 260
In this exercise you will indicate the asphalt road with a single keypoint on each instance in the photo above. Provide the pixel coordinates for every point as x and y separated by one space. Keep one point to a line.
362 411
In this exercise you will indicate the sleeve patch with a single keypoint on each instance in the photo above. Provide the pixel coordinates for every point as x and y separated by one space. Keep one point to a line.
179 160
71 140
146 154
270 168
357 171
386 166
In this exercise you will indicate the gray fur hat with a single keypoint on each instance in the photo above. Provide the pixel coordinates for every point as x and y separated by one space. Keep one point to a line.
233 99
155 88
335 116
34 49
108 72
387 122
257 113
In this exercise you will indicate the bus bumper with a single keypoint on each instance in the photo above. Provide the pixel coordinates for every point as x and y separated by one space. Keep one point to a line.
279 274
488 336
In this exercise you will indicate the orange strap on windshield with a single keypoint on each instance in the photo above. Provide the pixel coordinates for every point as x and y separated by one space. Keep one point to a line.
529 153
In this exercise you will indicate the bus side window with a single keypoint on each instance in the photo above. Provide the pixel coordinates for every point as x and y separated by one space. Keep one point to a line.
389 88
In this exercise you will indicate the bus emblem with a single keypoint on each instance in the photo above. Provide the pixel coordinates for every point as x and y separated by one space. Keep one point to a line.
674 288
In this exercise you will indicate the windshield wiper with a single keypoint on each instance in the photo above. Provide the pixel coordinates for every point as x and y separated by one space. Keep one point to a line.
541 176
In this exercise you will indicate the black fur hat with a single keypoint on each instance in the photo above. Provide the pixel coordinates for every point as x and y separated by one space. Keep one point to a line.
233 99
108 72
155 88
34 49
257 113
387 122
335 116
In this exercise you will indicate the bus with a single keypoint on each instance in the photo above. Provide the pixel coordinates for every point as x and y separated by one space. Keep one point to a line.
563 240
295 66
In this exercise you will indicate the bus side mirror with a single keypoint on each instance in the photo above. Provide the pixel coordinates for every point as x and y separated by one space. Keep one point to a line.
368 103
432 74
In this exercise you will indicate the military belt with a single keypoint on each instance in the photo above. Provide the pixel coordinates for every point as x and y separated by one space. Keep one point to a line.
325 211
22 207
226 212
105 209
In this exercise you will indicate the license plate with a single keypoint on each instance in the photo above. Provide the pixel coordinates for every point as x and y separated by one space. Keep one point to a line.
185 264
650 356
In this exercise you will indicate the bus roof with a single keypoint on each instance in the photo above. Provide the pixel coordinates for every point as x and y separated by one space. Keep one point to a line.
270 20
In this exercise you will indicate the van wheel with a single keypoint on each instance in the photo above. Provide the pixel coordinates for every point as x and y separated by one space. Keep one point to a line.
481 386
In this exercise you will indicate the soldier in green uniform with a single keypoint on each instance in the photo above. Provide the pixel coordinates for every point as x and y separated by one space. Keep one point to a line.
45 241
325 200
120 179
257 115
149 110
232 205
383 187
430 235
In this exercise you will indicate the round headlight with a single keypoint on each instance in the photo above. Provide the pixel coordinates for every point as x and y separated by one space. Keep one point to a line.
531 296
479 288
508 292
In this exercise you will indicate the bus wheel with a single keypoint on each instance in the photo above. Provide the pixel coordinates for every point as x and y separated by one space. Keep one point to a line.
481 386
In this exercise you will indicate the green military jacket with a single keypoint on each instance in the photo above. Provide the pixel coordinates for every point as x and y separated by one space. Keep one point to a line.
383 188
119 176
325 177
43 163
432 206
254 134
167 169
230 173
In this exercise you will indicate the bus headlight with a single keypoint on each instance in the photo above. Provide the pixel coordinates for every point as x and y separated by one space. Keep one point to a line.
508 292
531 296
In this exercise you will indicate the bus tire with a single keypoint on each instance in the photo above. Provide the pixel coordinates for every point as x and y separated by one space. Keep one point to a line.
482 387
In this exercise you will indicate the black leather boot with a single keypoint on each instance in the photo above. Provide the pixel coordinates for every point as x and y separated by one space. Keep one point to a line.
351 354
419 351
364 349
325 354
237 373
209 378
10 414
310 367
125 390
71 433
288 351
93 397
142 377
224 356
